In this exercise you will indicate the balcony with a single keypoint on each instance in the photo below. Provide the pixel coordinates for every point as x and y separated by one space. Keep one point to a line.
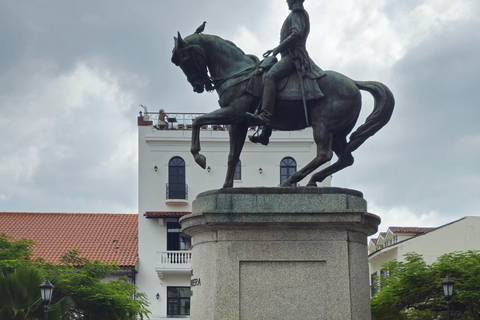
173 262
176 194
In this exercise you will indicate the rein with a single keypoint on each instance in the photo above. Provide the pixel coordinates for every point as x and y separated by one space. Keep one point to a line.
221 80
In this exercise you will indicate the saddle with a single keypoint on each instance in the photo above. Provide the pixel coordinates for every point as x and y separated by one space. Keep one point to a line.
288 88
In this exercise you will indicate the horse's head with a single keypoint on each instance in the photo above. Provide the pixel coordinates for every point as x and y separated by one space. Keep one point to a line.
193 62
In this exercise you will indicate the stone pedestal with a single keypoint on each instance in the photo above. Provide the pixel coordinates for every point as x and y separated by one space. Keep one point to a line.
280 253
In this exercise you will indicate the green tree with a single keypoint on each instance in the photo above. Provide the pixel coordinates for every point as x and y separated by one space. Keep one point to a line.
79 291
14 253
412 289
80 279
20 295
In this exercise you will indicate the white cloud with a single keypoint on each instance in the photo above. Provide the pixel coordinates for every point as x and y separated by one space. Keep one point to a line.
404 217
76 124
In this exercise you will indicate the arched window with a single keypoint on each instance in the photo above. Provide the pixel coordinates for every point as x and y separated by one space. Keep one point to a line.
287 167
176 188
238 171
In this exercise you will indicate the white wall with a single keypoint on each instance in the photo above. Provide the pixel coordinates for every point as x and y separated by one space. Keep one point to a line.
461 235
157 147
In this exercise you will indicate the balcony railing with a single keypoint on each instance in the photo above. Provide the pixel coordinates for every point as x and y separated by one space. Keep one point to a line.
177 191
173 262
179 121
175 257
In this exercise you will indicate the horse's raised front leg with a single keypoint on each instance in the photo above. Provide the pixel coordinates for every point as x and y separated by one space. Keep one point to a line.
237 140
220 116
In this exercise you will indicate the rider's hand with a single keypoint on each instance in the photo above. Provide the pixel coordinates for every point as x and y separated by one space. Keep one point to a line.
266 54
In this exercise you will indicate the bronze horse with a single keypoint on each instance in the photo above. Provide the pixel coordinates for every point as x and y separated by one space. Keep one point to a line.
332 117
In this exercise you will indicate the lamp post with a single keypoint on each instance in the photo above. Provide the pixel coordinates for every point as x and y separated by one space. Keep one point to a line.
46 290
447 285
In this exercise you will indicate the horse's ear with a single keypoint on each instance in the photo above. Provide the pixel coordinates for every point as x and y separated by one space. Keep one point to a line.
180 43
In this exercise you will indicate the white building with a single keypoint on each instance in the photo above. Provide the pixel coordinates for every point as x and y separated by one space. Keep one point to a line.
169 180
460 235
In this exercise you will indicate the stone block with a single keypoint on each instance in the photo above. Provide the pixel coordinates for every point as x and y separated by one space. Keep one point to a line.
280 253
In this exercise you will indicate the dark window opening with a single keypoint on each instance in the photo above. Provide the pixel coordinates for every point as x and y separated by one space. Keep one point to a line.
238 171
287 167
176 240
176 188
178 301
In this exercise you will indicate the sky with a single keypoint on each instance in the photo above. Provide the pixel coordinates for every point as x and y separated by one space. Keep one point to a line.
73 73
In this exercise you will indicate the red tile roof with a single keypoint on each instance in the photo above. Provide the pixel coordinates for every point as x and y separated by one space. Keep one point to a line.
416 230
104 237
165 214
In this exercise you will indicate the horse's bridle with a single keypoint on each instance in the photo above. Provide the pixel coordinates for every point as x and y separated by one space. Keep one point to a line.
200 65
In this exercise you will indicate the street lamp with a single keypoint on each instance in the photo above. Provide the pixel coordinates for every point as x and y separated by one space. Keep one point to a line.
46 290
447 285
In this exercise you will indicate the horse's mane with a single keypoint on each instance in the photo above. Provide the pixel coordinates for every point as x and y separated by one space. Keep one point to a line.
211 36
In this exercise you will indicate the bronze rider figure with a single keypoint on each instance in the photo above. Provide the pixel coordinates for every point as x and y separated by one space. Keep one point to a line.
292 47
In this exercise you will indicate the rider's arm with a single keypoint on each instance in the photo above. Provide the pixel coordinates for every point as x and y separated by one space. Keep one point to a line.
297 32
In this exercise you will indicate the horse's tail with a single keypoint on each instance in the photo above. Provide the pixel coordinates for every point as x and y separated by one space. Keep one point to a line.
382 111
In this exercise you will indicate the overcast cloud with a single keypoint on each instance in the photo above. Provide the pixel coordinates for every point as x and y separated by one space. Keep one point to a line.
72 74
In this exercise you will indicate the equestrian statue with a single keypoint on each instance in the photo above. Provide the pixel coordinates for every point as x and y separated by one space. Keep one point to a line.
290 94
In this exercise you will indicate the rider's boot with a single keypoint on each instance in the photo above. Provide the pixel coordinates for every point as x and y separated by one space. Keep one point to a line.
268 103
263 138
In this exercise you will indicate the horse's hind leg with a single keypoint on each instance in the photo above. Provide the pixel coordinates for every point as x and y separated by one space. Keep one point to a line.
323 138
344 160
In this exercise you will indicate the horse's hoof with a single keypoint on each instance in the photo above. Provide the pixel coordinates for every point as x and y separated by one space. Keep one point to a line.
201 160
311 184
286 185
227 185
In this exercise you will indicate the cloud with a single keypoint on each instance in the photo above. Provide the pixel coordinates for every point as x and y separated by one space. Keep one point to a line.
73 74
75 133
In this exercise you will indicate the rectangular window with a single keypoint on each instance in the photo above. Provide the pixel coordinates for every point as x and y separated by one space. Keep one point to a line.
238 171
176 241
373 284
178 301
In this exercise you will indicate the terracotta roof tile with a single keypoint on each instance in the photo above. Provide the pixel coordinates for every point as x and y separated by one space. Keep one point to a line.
416 230
104 237
165 214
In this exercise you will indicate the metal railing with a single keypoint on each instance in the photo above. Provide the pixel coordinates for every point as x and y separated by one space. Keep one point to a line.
180 191
178 121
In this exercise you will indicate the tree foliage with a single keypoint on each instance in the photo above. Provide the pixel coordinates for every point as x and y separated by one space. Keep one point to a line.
20 295
14 253
413 290
93 298
80 292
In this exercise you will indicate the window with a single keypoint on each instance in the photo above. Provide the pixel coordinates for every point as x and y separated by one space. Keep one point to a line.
238 171
176 241
178 301
287 167
373 284
395 239
176 188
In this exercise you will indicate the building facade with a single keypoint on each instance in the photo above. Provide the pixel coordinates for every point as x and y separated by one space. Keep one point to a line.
169 180
431 243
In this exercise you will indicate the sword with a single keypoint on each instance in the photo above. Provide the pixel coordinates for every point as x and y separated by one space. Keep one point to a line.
302 86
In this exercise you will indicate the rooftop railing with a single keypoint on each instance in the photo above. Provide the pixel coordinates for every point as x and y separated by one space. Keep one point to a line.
178 121
181 121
